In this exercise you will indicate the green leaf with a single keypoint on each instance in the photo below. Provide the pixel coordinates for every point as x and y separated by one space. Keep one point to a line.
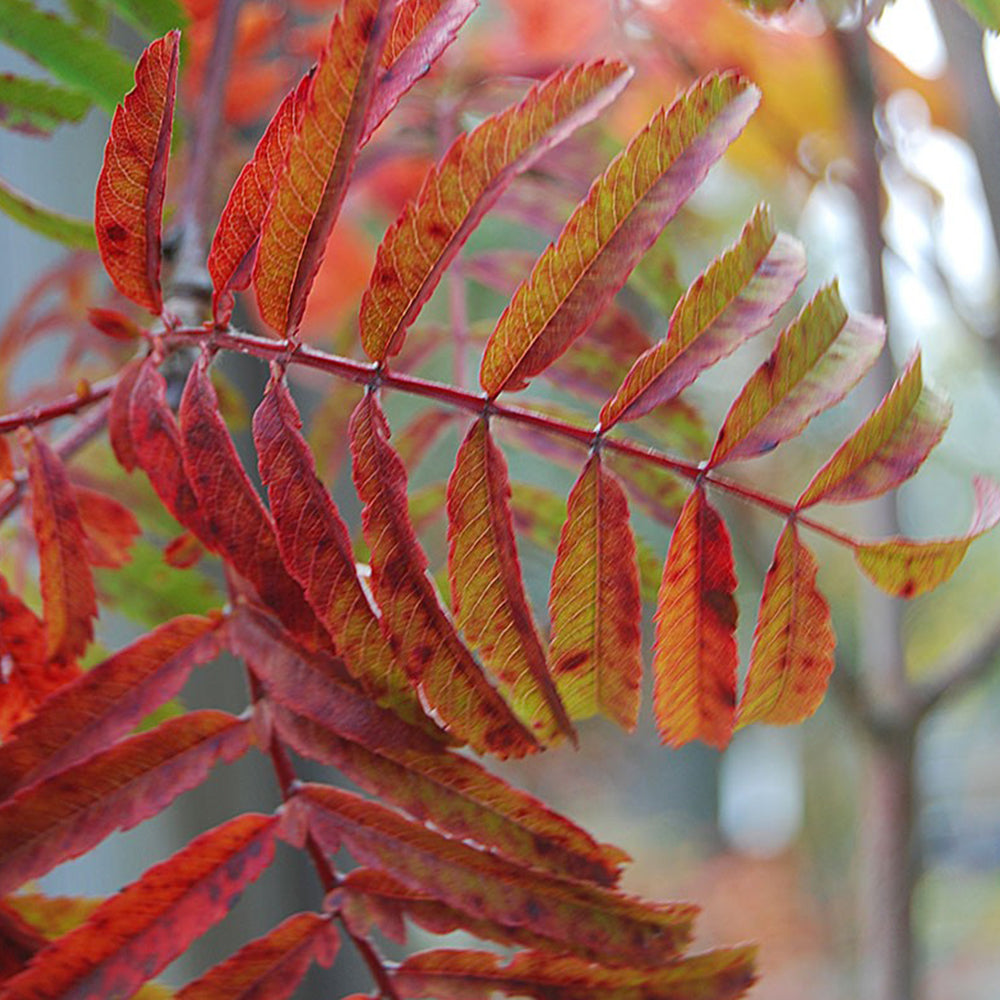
37 106
54 225
73 55
986 12
151 18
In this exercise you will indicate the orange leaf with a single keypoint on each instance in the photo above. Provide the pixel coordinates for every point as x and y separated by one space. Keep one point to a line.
584 919
888 447
6 460
457 795
271 967
68 594
310 190
487 591
113 324
239 227
695 657
415 623
459 191
733 300
27 677
67 814
110 527
625 211
317 550
141 929
594 603
819 357
450 974
792 656
130 189
107 701
905 568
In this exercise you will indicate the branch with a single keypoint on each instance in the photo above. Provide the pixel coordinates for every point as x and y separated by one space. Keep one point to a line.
32 416
371 375
960 672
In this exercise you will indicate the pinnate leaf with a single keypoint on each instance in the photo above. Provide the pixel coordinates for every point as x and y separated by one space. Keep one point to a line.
487 590
420 31
459 191
623 214
594 603
236 235
29 678
67 814
68 596
130 188
38 106
54 225
236 524
317 551
818 359
450 974
106 702
309 191
792 656
905 568
887 448
78 58
695 656
583 919
141 929
733 300
416 625
458 795
271 967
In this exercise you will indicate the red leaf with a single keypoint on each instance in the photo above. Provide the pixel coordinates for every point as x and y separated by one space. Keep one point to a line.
459 191
67 814
144 927
317 550
183 552
736 298
156 442
421 30
819 357
905 568
487 591
792 656
106 702
68 595
450 974
130 189
454 793
6 460
594 603
888 447
113 324
271 967
236 523
239 227
308 193
416 625
120 417
110 527
27 677
583 919
606 236
695 657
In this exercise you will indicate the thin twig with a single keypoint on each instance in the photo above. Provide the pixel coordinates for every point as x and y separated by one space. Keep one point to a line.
33 416
960 672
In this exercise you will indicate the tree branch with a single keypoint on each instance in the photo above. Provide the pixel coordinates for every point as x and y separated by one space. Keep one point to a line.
960 672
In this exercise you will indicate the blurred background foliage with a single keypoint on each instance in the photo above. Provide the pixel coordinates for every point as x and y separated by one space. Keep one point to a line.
765 836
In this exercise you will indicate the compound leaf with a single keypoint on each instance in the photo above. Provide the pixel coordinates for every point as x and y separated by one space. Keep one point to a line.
623 214
459 191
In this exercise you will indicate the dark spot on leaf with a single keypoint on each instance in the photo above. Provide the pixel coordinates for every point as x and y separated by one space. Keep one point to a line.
908 588
116 233
367 25
722 603
570 663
